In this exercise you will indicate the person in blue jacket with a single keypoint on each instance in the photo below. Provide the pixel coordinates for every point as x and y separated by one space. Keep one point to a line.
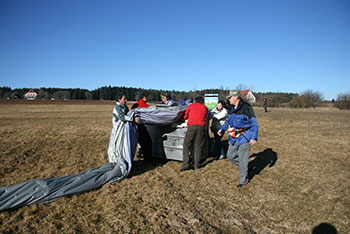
242 127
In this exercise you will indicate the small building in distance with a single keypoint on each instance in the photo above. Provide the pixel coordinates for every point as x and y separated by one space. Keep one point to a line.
30 95
248 96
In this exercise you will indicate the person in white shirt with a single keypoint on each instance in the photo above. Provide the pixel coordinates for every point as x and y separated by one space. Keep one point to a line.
219 116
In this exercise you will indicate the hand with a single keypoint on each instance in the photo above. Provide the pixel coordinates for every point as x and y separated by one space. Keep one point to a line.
219 132
137 120
252 142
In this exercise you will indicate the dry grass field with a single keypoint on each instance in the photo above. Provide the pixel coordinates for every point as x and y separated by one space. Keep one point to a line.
300 176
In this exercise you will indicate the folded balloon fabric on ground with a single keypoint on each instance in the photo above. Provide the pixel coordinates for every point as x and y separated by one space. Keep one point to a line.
121 150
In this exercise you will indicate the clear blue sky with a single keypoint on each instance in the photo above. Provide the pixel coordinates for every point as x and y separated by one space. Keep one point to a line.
267 45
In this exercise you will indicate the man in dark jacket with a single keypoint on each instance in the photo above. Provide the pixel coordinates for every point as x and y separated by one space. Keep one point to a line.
243 133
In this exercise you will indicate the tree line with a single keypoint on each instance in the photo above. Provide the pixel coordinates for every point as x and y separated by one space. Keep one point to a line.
102 93
306 99
110 93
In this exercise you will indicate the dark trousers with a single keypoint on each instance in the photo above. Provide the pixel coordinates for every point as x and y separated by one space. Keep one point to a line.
194 139
145 142
219 145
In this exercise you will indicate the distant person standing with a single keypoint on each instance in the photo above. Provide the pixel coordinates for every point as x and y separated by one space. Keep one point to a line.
196 114
243 130
144 139
265 104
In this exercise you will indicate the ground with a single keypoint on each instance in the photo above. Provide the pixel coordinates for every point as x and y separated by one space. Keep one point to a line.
299 178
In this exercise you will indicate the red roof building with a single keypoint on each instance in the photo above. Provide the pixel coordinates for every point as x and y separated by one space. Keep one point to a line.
30 95
248 96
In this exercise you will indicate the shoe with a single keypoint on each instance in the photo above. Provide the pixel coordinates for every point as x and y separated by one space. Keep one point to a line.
222 157
185 168
139 155
148 159
241 185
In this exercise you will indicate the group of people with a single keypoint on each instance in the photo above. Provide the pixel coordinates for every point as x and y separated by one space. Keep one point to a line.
241 124
238 119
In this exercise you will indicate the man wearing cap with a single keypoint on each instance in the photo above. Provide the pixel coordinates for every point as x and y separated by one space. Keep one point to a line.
243 133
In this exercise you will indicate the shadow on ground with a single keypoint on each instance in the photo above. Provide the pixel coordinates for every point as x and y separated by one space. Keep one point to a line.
268 157
142 166
324 228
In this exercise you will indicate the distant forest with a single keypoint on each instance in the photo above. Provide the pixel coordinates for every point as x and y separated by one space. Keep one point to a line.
110 93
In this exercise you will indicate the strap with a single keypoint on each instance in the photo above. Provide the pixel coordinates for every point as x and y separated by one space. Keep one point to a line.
235 133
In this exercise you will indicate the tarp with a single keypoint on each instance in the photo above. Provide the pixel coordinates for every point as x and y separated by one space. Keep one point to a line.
121 150
160 115
46 190
122 145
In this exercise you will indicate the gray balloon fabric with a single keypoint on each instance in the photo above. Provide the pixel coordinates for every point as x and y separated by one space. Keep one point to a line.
121 150
47 190
162 115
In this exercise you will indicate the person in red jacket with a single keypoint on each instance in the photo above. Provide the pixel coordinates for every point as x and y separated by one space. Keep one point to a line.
141 103
196 114
145 140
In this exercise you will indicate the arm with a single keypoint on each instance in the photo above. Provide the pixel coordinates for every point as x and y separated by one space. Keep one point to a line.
211 114
120 114
186 112
254 129
224 127
221 115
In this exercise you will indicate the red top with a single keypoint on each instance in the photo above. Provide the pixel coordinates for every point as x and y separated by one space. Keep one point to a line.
196 114
141 103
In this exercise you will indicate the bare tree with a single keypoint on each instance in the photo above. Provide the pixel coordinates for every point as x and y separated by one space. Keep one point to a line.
307 99
343 101
242 87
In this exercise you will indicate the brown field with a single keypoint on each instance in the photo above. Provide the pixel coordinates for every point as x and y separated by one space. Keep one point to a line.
301 176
